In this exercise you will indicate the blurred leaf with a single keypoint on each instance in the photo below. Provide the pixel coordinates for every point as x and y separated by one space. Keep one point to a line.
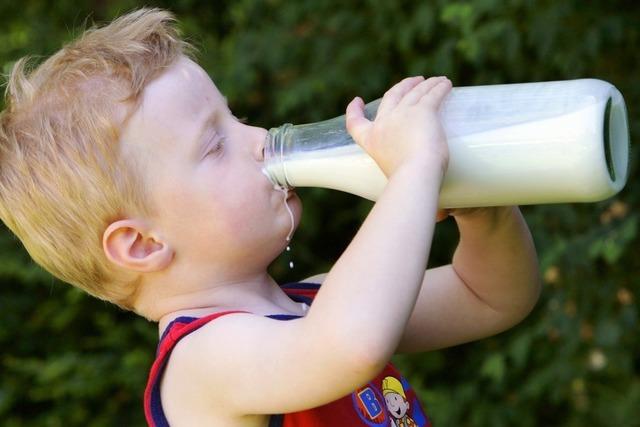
69 360
494 367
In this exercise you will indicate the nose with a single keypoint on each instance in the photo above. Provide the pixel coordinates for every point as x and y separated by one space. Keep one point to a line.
258 146
260 135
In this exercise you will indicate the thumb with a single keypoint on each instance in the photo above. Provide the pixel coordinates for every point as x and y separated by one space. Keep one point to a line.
357 124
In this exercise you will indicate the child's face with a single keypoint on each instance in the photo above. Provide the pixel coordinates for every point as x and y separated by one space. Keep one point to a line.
217 210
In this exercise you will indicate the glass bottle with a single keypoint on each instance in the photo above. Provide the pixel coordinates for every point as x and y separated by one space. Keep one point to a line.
511 144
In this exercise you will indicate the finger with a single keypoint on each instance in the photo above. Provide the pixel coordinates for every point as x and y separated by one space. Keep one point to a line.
435 96
417 92
442 214
395 94
357 124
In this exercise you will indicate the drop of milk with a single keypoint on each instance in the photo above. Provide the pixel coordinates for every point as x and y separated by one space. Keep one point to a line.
285 191
290 262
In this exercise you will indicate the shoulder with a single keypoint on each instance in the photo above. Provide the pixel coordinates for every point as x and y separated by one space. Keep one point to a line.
192 341
218 370
231 340
218 328
204 373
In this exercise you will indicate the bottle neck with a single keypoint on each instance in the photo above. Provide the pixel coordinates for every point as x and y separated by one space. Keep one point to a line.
289 148
274 164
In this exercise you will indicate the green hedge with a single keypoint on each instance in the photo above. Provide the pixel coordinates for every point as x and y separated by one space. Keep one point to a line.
67 359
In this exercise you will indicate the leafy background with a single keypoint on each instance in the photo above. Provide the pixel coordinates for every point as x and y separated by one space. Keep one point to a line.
67 359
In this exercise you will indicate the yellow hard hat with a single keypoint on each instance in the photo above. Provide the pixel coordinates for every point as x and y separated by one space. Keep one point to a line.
392 385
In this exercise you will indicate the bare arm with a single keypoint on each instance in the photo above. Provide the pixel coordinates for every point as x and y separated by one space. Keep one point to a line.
506 277
371 290
492 284
383 267
450 310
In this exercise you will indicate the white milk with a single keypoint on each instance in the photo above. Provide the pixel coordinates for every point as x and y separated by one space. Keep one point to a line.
342 168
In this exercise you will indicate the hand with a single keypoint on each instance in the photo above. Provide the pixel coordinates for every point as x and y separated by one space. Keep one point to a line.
406 127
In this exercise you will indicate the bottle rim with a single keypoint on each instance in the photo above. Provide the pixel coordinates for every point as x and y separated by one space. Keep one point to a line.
274 163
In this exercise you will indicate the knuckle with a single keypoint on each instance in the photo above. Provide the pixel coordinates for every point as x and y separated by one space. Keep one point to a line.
428 98
348 122
409 79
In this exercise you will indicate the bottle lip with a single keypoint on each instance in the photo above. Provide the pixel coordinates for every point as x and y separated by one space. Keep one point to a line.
274 164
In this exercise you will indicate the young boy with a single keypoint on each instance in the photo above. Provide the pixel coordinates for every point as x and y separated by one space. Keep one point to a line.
124 172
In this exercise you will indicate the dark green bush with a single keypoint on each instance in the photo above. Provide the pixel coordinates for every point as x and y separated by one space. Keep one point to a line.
67 359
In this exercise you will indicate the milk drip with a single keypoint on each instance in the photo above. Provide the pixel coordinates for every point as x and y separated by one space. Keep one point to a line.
285 190
511 144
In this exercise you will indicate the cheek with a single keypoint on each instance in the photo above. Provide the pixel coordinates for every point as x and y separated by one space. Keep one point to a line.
239 209
230 200
190 208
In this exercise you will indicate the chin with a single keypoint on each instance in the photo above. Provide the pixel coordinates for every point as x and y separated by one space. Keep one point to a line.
294 200
293 195
297 201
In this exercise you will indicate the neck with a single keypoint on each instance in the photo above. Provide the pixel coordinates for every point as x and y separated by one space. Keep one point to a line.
258 293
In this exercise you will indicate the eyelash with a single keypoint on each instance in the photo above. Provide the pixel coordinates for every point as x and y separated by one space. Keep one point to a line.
217 146
222 139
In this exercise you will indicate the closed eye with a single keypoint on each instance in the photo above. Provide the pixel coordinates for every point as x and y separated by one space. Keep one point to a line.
217 145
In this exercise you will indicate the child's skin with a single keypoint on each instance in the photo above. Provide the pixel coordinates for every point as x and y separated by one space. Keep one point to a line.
221 224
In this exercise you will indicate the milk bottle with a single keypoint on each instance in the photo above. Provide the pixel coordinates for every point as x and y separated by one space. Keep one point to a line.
511 144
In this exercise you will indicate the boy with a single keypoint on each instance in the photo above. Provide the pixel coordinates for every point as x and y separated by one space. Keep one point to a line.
125 173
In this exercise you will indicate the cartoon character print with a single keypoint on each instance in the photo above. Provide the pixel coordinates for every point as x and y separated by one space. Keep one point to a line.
397 404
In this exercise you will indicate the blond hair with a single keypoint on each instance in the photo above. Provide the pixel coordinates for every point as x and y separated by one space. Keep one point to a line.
63 175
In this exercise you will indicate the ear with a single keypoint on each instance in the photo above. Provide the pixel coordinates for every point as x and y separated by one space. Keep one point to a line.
130 244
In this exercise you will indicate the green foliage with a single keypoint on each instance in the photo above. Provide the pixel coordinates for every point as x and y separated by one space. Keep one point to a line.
67 359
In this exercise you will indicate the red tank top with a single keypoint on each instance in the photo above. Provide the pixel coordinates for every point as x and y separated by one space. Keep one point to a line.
387 400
